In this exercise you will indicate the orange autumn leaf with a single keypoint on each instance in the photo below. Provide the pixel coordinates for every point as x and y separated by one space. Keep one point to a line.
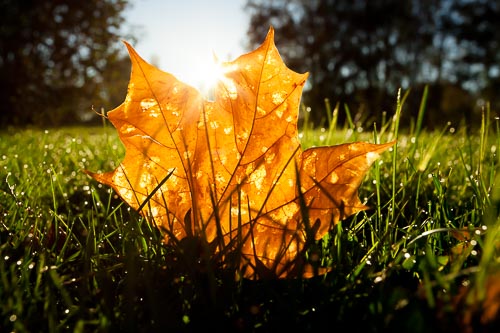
231 170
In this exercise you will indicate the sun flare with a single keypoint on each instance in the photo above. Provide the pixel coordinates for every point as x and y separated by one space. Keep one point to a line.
205 75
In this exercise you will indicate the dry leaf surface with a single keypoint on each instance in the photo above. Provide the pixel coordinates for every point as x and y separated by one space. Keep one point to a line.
232 170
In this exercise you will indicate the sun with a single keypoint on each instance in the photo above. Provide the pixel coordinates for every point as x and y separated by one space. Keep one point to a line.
212 73
205 74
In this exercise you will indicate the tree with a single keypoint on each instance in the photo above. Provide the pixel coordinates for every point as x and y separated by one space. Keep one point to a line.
475 28
349 47
55 56
361 51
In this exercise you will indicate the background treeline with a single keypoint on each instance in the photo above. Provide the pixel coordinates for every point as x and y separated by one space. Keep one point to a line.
360 52
59 59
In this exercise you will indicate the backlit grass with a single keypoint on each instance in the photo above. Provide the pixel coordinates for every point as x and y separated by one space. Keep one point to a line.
73 257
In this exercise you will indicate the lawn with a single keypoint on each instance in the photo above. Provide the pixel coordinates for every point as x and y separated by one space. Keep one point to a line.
424 257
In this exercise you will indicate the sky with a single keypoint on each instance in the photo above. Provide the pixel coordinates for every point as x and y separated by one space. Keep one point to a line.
182 36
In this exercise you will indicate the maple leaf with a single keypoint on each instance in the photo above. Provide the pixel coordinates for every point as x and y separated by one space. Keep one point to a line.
231 170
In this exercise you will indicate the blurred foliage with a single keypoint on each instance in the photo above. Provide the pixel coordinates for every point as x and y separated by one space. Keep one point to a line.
360 52
59 59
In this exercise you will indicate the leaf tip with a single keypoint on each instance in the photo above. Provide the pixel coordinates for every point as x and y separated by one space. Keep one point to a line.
270 34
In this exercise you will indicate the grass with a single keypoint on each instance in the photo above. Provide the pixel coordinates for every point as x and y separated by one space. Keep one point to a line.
73 257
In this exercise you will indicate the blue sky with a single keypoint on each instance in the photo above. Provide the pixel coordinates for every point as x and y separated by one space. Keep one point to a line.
183 35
